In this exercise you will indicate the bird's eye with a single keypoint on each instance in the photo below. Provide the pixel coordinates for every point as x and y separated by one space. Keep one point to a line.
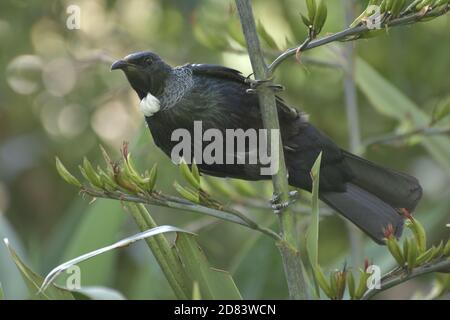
148 61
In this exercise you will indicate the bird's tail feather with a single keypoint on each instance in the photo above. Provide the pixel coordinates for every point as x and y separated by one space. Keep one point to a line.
374 197
397 189
365 210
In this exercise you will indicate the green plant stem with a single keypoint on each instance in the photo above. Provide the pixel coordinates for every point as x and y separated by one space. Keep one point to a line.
170 264
313 61
354 132
440 265
392 137
294 275
352 33
224 213
293 268
268 108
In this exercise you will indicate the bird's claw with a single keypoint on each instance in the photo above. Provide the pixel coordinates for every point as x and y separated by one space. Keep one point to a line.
256 84
278 206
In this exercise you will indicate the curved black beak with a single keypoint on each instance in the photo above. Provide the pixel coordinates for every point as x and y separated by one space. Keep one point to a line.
120 64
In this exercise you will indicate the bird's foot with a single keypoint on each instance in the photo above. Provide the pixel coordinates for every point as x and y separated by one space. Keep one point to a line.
257 84
279 206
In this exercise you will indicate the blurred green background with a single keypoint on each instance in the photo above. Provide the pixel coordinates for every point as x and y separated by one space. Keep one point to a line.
58 97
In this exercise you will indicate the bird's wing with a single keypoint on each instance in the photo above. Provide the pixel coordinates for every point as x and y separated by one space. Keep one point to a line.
221 72
218 71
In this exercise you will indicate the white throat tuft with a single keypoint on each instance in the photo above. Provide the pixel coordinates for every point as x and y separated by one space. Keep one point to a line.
150 105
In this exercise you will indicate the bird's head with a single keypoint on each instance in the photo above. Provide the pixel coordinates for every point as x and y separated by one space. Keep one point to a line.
145 71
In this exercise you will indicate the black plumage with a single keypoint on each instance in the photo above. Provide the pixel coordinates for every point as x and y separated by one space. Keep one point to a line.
369 195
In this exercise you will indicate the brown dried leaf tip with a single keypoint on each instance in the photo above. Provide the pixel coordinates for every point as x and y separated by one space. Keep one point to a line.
366 264
124 150
405 212
389 232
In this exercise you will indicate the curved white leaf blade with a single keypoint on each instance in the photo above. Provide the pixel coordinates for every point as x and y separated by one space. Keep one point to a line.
53 274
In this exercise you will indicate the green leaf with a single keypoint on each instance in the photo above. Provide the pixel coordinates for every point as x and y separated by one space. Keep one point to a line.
195 171
312 234
305 20
152 178
441 111
244 188
447 248
262 282
362 285
268 39
97 293
221 186
90 173
187 193
391 102
107 158
192 178
235 32
223 285
209 39
438 250
419 234
397 7
422 4
333 285
12 284
196 295
107 180
312 7
395 250
66 175
213 283
34 281
321 17
412 253
322 281
351 285
425 257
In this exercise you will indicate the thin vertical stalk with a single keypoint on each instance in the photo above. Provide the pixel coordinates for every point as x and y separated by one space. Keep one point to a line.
289 253
354 133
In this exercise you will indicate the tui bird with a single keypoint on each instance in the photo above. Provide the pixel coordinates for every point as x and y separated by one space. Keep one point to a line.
371 196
